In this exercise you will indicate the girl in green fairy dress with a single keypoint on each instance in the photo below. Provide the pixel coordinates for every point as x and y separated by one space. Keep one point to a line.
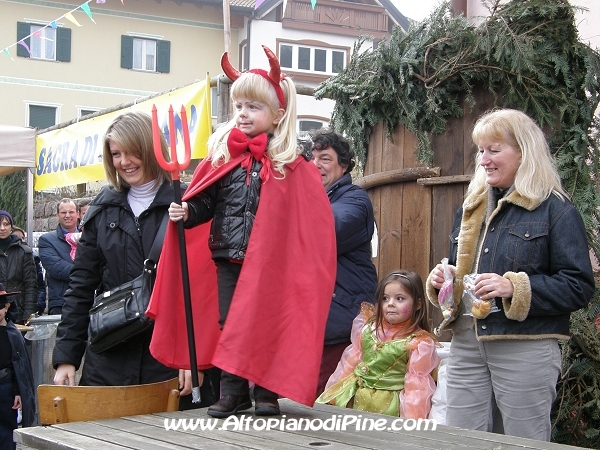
387 368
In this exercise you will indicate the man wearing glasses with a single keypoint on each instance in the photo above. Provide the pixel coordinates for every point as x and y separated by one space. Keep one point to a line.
55 254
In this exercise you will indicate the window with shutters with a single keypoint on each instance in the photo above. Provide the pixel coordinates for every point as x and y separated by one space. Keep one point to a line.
42 41
42 116
148 55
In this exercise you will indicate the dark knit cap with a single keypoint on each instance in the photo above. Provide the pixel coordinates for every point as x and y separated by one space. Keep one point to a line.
8 216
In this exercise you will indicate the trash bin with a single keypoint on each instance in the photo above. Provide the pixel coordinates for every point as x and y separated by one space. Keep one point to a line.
42 339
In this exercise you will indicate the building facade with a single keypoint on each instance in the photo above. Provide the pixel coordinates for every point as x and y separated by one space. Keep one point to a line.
133 50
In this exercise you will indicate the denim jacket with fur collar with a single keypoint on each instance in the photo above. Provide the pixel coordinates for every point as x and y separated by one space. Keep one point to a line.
541 248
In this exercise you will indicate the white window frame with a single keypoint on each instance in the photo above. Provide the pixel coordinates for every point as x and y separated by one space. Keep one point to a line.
243 50
45 43
303 134
57 111
312 48
140 61
80 109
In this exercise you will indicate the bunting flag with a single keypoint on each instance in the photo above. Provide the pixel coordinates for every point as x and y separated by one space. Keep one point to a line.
87 10
69 16
24 44
313 3
258 3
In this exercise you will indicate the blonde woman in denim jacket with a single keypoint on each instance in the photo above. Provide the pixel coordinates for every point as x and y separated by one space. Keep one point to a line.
526 241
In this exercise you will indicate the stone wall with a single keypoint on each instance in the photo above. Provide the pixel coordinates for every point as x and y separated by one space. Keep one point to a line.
44 212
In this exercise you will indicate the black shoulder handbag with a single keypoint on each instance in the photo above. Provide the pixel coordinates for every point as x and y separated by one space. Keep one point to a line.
120 313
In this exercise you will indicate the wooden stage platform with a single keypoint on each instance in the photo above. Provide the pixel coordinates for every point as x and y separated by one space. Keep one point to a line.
148 433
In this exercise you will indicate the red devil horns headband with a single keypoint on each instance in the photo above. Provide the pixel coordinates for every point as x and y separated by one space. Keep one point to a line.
273 77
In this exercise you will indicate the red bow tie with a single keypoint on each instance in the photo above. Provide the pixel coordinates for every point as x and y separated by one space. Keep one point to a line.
238 143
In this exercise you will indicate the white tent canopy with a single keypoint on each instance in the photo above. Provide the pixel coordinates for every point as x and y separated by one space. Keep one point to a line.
17 148
17 152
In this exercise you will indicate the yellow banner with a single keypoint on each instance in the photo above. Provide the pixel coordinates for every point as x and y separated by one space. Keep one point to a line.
73 155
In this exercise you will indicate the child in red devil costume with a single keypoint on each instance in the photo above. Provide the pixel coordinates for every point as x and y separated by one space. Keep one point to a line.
259 203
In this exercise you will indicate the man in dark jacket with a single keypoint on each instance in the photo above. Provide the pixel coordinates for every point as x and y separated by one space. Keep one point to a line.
356 277
55 254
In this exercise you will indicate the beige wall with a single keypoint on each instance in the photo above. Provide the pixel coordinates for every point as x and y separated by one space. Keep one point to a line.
94 79
588 22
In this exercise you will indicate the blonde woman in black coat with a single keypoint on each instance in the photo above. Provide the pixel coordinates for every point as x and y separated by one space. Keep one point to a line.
118 232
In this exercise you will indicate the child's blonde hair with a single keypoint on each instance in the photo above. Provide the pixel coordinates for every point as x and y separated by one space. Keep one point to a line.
283 146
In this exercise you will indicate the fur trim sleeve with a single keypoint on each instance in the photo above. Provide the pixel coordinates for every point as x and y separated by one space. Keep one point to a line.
517 307
431 292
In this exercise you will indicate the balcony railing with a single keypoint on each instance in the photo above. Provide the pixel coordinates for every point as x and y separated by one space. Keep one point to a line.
351 16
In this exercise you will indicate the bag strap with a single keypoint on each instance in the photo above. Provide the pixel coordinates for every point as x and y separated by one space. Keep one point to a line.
158 241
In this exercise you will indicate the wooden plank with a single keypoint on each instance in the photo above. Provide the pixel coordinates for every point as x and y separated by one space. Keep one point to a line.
51 438
121 432
396 176
252 434
416 225
446 435
451 179
445 438
374 439
374 152
391 198
373 165
390 231
416 218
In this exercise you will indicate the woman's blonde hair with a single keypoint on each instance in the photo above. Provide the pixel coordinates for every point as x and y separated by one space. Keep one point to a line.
536 176
283 147
132 131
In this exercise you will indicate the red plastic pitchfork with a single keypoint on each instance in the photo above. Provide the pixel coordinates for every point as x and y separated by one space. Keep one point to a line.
174 166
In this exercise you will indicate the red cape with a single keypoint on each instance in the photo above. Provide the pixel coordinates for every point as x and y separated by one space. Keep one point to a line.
275 327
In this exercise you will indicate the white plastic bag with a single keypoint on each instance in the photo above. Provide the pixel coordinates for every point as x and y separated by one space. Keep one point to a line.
438 400
474 305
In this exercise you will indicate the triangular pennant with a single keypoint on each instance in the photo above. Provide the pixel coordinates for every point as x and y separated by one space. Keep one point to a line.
71 18
100 1
313 3
24 44
8 53
53 25
87 10
258 3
